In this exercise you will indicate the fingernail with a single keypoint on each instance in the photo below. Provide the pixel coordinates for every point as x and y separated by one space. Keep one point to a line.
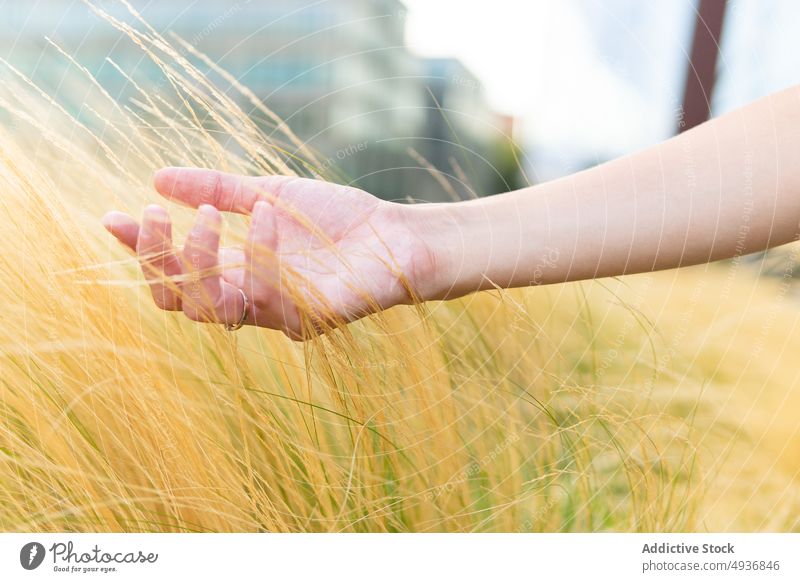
155 213
259 209
108 220
207 218
208 212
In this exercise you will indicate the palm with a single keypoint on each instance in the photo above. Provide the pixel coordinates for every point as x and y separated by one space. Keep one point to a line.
351 249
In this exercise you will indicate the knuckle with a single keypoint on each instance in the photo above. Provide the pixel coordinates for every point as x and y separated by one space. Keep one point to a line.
274 185
260 300
212 189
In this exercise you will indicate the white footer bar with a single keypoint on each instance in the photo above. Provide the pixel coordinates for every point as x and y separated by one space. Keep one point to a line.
388 557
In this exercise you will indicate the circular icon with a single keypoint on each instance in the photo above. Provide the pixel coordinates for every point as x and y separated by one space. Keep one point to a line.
31 555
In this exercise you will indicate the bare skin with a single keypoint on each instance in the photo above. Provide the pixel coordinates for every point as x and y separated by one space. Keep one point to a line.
728 187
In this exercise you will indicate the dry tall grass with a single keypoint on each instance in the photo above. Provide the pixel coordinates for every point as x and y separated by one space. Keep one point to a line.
551 409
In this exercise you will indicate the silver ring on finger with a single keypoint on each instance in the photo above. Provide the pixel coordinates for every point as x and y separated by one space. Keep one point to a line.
240 323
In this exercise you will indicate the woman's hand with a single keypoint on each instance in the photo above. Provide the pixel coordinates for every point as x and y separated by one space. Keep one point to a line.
337 251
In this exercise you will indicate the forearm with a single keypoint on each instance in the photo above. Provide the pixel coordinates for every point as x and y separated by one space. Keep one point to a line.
728 187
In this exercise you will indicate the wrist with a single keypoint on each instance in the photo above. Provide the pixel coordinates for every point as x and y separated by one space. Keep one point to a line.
457 247
499 241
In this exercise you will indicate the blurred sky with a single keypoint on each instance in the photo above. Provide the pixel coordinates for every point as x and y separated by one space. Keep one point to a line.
594 79
590 79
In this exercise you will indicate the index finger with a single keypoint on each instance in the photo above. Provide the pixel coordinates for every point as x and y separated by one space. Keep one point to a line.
197 186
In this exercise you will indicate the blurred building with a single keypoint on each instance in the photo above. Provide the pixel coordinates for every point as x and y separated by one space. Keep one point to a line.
337 71
460 129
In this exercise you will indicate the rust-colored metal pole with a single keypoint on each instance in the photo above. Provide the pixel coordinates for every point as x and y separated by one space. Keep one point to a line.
701 72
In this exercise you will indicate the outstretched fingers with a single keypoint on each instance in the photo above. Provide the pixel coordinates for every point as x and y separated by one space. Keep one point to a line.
157 256
205 295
